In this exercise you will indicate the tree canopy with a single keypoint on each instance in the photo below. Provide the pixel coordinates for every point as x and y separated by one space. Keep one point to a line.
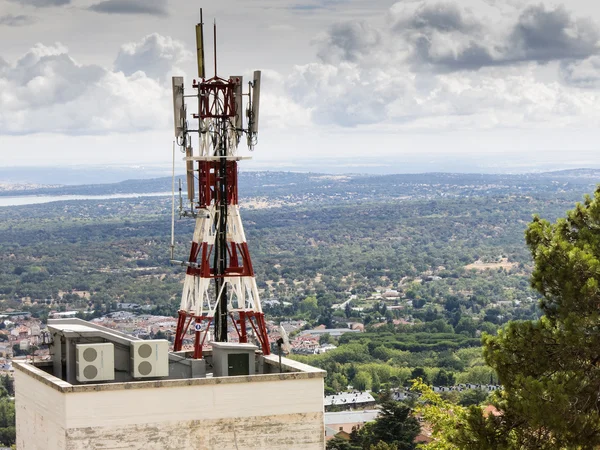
550 368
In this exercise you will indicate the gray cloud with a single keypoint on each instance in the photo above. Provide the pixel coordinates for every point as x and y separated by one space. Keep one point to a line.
445 37
349 41
316 5
547 35
445 17
17 21
150 7
42 3
155 55
470 56
423 67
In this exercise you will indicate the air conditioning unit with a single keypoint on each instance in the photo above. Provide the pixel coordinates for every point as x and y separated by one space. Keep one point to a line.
95 362
150 358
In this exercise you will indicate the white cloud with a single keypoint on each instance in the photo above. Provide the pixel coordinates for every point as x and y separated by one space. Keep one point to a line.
277 109
584 74
47 90
439 66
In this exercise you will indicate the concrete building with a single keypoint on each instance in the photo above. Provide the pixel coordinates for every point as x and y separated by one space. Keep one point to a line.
350 400
347 421
199 404
333 332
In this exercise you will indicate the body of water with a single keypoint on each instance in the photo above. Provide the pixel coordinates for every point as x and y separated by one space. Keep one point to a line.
20 200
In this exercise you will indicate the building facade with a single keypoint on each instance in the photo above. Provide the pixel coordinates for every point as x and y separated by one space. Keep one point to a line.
266 409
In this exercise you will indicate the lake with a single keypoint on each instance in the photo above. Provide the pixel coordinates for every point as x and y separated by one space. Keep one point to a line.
20 200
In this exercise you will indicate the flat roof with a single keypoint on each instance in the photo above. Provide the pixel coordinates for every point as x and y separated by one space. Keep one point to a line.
349 398
349 417
77 327
234 345
293 370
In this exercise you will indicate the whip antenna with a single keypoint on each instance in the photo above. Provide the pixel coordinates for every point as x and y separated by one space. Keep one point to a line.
173 207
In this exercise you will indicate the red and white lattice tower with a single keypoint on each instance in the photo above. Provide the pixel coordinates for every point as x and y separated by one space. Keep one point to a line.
220 287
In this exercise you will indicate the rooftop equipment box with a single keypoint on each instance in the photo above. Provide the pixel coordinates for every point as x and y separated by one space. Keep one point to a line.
150 358
232 359
95 362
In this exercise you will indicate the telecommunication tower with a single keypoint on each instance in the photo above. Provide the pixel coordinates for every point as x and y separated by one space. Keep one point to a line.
219 287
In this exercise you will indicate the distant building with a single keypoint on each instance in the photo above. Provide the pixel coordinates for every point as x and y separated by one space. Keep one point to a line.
356 326
63 315
16 315
325 348
135 307
347 421
271 303
392 293
400 395
349 400
334 332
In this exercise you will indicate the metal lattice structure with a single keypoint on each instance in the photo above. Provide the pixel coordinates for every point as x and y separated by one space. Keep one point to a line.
220 287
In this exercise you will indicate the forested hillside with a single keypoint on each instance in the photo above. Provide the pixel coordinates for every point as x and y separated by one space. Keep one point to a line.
328 237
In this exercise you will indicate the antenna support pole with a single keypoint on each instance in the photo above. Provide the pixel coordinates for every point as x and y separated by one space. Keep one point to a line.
215 45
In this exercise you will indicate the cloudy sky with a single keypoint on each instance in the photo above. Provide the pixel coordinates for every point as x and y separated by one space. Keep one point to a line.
348 85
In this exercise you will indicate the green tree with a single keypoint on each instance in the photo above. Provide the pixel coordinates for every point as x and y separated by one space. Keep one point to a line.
339 382
9 384
338 443
444 378
376 383
419 372
325 338
467 326
362 381
7 422
383 446
309 305
550 368
472 397
348 310
395 426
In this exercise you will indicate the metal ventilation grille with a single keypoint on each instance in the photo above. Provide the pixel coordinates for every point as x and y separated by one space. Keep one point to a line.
90 372
145 368
145 351
90 354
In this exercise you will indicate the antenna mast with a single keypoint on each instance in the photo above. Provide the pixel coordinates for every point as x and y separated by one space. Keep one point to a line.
220 288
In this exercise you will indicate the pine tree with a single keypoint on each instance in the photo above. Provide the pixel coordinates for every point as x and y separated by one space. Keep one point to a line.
550 368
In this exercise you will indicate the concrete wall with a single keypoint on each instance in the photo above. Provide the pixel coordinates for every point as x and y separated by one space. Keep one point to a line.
278 411
41 414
